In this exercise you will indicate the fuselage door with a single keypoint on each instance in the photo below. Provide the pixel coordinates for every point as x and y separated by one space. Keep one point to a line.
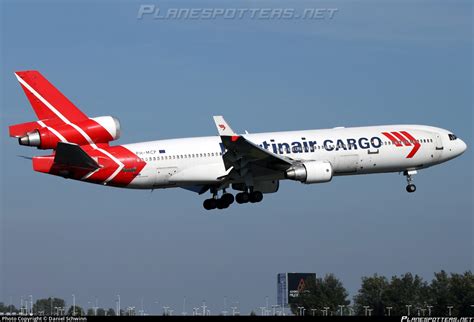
438 141
346 163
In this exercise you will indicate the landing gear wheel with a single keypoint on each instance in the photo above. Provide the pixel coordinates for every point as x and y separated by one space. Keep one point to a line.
228 198
210 204
410 186
256 196
242 197
221 204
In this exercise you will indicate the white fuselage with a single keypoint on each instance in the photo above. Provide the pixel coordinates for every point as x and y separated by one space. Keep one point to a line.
358 150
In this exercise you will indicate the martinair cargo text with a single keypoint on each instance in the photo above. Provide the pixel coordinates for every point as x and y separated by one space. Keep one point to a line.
253 164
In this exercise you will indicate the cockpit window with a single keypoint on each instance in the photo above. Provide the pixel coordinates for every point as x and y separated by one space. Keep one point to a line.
452 137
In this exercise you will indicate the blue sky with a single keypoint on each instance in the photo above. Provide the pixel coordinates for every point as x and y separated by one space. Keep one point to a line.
373 63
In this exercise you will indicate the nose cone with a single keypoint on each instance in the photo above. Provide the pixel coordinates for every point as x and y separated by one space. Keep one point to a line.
453 149
462 146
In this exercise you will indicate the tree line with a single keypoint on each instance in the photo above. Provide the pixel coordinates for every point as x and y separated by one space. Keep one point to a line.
407 294
57 306
378 295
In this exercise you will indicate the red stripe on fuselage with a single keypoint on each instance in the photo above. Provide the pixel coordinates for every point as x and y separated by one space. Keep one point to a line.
402 138
416 144
131 162
392 138
132 165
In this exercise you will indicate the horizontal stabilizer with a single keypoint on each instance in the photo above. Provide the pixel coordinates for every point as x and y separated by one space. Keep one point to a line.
19 130
25 157
71 155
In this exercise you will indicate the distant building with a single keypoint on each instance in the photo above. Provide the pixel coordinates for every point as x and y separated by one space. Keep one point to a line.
290 286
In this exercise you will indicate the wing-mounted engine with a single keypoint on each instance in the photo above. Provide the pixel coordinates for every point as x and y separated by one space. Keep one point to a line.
46 134
311 172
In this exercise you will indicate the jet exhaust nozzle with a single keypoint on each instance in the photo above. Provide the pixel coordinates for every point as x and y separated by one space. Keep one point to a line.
30 139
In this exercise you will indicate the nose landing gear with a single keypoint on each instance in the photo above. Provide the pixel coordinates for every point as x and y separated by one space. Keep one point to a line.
410 186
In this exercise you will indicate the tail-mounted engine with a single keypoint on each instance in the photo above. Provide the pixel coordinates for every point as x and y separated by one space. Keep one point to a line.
47 133
311 172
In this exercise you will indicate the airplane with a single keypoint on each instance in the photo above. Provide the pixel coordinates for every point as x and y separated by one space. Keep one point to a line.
252 163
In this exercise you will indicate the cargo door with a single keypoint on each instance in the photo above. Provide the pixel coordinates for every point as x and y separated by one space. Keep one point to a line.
163 175
346 163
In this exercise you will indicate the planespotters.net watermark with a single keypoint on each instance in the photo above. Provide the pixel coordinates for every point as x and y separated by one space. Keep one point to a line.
151 11
436 319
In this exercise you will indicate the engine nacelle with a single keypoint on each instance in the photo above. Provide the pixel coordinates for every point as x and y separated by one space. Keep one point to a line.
111 124
311 172
101 129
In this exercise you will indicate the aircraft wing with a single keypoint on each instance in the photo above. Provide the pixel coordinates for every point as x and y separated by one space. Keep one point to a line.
247 157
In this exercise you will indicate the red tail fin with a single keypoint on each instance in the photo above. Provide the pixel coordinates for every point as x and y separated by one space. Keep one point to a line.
47 101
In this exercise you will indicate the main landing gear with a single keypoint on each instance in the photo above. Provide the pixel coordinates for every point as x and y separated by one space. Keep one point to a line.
220 203
410 186
253 197
227 199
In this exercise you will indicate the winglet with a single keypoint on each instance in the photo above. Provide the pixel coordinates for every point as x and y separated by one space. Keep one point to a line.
222 126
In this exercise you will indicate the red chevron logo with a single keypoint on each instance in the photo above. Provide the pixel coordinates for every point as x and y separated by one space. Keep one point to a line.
403 138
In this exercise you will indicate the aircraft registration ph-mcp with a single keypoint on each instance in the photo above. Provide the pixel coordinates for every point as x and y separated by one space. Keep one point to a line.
253 164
